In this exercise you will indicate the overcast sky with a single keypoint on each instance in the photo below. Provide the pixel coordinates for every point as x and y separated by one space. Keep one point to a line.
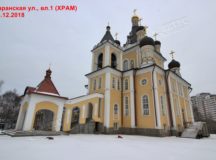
65 39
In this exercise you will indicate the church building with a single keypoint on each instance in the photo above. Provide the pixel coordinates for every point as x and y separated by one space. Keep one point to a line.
130 91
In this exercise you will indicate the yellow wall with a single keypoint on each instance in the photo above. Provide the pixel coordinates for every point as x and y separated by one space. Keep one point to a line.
82 120
145 121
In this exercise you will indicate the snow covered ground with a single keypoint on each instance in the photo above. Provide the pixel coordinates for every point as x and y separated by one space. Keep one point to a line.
107 147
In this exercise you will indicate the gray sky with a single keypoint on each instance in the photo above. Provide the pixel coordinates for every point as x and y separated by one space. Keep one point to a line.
65 39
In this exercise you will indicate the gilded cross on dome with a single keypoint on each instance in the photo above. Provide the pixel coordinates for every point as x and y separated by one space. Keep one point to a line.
172 54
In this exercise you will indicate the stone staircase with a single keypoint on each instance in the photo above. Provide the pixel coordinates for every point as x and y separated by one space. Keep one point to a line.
196 130
14 133
87 128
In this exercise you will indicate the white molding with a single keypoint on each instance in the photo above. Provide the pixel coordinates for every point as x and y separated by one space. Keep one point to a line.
87 97
104 70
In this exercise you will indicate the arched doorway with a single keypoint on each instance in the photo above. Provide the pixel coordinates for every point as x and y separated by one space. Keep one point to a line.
90 112
44 120
100 61
75 116
113 61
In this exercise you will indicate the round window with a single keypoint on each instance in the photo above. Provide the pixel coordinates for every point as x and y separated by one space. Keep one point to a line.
144 81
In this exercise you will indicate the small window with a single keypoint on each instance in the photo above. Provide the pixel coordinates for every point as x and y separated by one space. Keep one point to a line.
126 106
116 109
99 83
132 63
118 84
126 84
125 65
145 105
113 83
143 82
95 83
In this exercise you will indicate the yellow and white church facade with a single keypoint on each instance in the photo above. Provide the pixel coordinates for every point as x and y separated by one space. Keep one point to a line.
129 92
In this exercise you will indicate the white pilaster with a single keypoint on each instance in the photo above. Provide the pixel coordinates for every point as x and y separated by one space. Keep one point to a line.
156 96
107 55
93 62
132 106
29 115
121 61
107 101
59 118
172 104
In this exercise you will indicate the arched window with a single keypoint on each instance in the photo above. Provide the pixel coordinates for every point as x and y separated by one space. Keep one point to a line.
113 61
145 105
116 109
126 106
125 65
100 61
75 115
126 84
132 63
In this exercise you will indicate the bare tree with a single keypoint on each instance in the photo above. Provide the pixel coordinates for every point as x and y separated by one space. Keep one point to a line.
1 84
9 104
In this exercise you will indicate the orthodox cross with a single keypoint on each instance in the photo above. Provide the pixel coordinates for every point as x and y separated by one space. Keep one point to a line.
116 36
140 21
155 36
172 54
50 65
134 11
146 27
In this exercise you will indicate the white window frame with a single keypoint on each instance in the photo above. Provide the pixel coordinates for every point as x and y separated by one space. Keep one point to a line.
143 108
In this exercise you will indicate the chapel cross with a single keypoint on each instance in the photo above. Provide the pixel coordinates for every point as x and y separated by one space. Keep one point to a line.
172 54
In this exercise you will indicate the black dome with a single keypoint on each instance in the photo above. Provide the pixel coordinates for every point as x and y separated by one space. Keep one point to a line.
147 41
157 42
174 64
140 28
117 42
